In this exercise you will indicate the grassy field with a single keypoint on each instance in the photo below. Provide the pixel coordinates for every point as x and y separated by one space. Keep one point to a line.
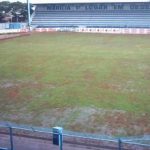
84 82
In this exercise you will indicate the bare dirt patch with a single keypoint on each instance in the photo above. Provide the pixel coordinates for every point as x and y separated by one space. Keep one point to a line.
20 91
110 86
122 123
14 93
94 120
88 75
28 84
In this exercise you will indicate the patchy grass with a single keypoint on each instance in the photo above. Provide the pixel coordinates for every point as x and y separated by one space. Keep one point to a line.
65 71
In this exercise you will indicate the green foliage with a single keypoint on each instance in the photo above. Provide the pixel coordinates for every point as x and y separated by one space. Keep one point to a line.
13 8
5 6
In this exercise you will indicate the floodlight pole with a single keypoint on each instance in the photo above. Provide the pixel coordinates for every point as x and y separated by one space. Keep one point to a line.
29 16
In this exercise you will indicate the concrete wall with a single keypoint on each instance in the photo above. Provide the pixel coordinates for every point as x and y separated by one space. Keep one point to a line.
98 30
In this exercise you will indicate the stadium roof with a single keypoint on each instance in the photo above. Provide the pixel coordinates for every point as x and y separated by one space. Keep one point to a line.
84 1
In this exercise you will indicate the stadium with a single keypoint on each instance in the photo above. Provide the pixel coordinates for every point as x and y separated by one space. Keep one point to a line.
83 65
93 16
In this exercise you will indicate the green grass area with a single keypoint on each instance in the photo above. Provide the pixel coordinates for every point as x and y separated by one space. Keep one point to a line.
67 70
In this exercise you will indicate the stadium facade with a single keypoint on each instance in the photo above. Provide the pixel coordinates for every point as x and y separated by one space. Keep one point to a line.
92 14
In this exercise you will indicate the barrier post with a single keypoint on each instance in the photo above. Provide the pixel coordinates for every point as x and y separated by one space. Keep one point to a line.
29 14
119 144
58 137
11 138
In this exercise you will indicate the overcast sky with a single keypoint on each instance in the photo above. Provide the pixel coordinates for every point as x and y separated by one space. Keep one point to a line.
55 1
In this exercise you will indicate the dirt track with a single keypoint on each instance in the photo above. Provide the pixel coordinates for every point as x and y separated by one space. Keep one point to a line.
10 36
24 143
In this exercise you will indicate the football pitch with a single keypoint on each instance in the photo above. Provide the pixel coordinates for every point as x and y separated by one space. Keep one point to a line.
92 83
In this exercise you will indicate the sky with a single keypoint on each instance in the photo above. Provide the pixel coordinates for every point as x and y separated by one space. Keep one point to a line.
55 1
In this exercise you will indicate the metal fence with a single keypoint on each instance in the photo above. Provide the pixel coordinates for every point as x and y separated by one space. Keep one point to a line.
22 137
4 26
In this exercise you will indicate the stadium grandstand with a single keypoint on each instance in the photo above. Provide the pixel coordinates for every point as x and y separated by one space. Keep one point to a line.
91 14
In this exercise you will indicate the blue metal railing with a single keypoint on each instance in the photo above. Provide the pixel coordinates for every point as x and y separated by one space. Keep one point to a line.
3 148
143 141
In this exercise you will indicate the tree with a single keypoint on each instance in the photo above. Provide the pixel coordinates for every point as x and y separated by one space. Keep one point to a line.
17 10
4 6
